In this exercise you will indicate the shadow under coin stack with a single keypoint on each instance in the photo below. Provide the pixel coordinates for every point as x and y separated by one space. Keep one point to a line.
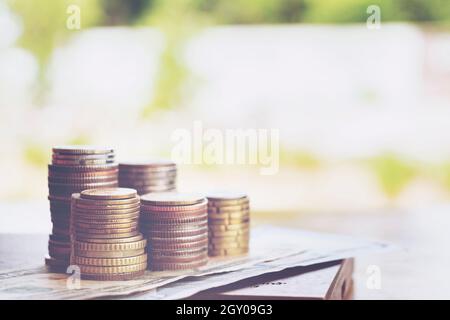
229 224
73 169
176 227
148 176
107 244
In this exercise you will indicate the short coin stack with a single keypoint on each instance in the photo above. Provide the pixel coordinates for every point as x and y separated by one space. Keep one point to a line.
176 227
148 176
73 169
228 223
107 244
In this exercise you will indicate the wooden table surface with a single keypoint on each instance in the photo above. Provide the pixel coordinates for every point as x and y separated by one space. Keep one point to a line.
419 271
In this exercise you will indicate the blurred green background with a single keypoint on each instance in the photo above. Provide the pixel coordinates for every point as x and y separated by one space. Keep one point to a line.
43 30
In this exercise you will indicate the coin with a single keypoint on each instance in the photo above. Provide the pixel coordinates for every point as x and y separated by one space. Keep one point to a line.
177 239
229 242
80 175
110 261
227 252
96 225
108 232
170 215
229 232
113 277
170 220
178 246
228 227
108 202
112 241
172 199
225 209
155 208
53 237
82 162
108 254
173 234
142 191
108 193
229 215
112 270
179 259
82 236
78 169
105 214
127 246
229 221
178 265
56 265
106 207
54 186
81 150
233 245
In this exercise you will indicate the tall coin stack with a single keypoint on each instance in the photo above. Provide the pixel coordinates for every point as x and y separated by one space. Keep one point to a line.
148 176
176 227
229 223
107 244
73 169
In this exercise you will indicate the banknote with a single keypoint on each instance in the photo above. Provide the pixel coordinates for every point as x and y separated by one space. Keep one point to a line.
321 248
271 249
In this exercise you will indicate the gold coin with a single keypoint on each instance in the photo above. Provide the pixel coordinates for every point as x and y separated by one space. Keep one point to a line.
113 241
108 193
228 221
222 246
106 232
172 199
108 254
226 198
228 227
82 236
229 233
225 209
113 270
106 226
227 252
232 239
229 215
106 262
127 246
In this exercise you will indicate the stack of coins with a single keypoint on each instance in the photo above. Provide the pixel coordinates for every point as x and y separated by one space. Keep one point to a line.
176 227
148 176
107 244
73 169
228 223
